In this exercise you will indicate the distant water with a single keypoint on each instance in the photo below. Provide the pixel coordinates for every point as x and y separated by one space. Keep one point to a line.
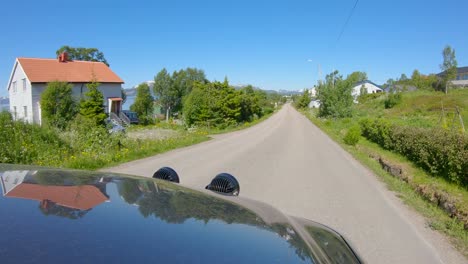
128 102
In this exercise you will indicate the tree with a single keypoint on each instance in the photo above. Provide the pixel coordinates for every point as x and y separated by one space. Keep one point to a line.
57 104
303 100
92 105
165 91
448 66
172 89
335 95
143 104
213 104
83 54
403 77
123 95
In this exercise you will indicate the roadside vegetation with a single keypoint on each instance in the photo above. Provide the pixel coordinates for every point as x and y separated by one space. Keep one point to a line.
415 141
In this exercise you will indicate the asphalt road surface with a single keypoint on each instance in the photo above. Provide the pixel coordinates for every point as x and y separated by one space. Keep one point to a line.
289 163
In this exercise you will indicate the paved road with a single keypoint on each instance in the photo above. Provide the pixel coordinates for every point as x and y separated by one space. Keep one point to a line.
289 163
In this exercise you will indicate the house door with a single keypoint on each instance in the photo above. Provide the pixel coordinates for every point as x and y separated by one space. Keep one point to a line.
115 105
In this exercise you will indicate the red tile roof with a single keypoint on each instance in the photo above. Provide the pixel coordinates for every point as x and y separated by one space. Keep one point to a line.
48 70
78 197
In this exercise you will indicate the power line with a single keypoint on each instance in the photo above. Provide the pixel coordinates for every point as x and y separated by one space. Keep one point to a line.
347 21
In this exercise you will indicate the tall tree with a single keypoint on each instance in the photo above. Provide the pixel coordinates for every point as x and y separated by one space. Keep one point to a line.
57 104
92 105
143 104
165 91
448 66
84 54
335 95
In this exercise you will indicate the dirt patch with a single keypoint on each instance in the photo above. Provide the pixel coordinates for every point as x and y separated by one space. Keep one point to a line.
153 133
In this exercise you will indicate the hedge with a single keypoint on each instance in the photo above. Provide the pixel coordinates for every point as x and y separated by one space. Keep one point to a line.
440 152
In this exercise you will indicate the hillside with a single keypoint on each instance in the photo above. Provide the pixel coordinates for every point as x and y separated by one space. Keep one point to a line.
420 108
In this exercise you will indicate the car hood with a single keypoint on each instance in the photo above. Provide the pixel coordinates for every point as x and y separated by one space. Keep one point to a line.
56 216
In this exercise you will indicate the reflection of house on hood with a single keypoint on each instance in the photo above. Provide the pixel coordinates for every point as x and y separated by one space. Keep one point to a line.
18 184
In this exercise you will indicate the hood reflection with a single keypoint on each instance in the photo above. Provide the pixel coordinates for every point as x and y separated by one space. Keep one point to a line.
73 194
55 196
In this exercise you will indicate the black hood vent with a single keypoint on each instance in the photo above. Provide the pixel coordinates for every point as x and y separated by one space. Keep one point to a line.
224 183
167 174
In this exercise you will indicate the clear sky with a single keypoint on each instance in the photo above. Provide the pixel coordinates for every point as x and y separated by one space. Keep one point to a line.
264 43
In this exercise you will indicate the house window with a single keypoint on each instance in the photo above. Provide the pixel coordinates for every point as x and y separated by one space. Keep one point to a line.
465 77
14 112
24 85
25 111
14 86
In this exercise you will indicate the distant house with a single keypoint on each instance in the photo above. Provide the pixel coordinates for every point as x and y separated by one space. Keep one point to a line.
314 104
30 76
400 88
369 86
462 77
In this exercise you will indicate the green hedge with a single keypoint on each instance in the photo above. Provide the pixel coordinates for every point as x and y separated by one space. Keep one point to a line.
442 153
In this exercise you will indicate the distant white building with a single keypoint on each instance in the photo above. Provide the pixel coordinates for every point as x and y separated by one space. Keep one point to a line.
30 77
314 104
369 86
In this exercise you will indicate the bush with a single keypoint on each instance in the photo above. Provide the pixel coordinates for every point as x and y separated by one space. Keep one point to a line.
267 110
23 143
352 136
392 100
442 153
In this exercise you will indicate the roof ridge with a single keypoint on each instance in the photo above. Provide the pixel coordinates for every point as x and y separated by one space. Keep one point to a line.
56 60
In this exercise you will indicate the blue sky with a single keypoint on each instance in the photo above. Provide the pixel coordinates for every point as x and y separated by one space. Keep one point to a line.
264 43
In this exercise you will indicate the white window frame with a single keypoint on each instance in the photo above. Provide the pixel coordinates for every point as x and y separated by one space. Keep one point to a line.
13 84
25 108
14 112
24 85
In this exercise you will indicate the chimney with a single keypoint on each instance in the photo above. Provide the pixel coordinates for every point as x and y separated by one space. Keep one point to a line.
63 57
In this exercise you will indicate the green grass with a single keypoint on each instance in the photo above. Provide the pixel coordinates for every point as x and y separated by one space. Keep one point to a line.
438 219
420 108
130 150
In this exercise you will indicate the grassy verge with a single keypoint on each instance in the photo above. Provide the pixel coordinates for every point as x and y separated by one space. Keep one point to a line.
130 150
437 218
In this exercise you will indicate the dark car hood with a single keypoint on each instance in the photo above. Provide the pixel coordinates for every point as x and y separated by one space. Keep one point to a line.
58 216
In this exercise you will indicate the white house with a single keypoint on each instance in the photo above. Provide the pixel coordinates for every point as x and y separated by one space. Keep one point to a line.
30 76
368 85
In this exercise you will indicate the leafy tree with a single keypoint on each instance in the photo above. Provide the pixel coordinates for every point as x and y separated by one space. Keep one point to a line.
335 95
448 66
251 101
213 104
57 104
123 95
303 100
171 90
165 91
92 107
403 77
83 54
143 104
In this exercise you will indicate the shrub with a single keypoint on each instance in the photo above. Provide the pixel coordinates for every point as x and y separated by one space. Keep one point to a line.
57 104
352 136
92 106
392 100
267 110
442 153
24 143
